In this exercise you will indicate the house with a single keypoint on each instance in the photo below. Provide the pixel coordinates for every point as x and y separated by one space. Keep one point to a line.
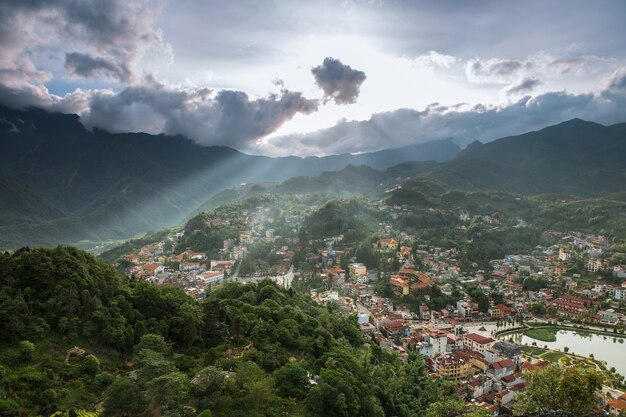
617 293
560 270
152 269
502 368
464 309
564 255
356 270
211 277
479 386
501 311
394 328
508 350
224 266
478 343
424 312
595 264
189 266
390 244
617 406
609 316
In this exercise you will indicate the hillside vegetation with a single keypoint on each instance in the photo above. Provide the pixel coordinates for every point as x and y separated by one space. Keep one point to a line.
138 349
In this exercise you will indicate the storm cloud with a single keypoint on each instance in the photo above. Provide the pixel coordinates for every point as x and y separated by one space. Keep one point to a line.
106 39
209 117
339 82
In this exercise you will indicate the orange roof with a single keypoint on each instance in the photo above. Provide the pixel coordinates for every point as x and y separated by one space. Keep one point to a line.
619 404
398 282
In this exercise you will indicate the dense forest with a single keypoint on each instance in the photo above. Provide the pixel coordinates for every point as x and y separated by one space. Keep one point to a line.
76 333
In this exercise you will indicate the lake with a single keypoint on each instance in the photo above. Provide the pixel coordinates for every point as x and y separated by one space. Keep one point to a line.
607 348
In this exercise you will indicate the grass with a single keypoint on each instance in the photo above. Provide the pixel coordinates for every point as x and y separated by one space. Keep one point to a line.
533 350
543 334
552 356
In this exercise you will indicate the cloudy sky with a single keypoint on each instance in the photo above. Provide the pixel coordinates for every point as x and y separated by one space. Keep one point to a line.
314 78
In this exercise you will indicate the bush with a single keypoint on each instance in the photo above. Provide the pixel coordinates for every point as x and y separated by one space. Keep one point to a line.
90 365
104 379
27 350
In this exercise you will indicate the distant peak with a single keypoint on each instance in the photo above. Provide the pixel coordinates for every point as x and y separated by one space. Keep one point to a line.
474 145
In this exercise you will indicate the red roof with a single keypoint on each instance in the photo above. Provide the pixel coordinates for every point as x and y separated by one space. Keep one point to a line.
394 325
506 308
508 378
479 339
504 363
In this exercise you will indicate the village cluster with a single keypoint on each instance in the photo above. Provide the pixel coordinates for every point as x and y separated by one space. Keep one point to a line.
453 339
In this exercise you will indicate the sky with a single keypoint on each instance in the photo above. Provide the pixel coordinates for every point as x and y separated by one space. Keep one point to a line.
317 78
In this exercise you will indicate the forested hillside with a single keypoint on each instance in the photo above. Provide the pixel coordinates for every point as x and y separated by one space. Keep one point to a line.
78 334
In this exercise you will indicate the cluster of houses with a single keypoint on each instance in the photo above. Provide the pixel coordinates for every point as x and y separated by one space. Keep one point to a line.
197 272
192 271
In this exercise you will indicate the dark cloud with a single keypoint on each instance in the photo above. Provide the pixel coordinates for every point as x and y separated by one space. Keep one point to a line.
339 82
106 36
86 66
525 86
497 71
209 117
485 123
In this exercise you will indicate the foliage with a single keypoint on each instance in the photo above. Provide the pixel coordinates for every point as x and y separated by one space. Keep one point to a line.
350 218
554 388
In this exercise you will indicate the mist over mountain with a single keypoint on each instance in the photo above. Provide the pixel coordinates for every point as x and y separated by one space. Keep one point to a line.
62 183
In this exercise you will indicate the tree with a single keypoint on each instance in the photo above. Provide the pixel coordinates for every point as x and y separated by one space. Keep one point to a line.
154 342
554 389
292 381
169 391
122 398
90 365
27 350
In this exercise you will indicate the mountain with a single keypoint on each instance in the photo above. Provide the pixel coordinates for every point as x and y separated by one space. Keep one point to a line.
60 183
575 157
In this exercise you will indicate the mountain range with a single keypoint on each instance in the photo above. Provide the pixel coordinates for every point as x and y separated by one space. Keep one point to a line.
60 183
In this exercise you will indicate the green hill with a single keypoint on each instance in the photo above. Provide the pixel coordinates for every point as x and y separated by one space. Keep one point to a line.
76 334
574 157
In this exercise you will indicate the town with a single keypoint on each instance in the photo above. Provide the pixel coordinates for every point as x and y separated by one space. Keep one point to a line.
473 325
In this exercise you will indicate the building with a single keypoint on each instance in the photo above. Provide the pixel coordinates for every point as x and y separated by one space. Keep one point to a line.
152 269
225 266
569 309
356 270
211 277
389 244
502 368
617 406
454 366
564 255
477 343
464 309
508 350
595 264
617 293
560 270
